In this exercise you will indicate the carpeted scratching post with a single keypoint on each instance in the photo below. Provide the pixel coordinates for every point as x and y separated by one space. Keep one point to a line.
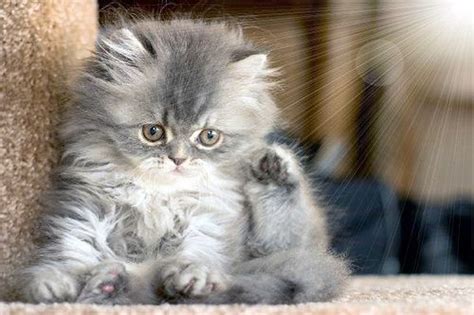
41 42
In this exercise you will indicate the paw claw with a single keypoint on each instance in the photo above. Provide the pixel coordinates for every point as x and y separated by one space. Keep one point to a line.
188 288
211 287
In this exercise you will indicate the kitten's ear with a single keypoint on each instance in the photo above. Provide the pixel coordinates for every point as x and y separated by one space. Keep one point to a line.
119 54
250 65
124 45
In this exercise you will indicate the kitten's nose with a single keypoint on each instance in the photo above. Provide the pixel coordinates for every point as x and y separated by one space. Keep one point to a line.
177 161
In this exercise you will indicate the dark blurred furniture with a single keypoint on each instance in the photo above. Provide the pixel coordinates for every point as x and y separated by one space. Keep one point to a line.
437 239
364 218
380 235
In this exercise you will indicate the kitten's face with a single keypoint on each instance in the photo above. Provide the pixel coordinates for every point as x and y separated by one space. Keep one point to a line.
173 102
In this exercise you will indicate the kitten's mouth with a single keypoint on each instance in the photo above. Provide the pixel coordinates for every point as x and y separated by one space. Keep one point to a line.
178 170
182 172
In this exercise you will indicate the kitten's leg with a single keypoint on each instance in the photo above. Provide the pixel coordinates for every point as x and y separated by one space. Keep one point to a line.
285 277
75 235
202 261
57 276
283 212
111 282
311 274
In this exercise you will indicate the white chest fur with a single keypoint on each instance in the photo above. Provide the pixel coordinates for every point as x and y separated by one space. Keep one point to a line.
213 208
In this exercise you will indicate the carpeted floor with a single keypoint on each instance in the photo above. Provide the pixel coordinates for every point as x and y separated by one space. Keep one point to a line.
366 295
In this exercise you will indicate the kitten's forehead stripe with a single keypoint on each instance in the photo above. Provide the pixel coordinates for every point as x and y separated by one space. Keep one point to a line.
189 81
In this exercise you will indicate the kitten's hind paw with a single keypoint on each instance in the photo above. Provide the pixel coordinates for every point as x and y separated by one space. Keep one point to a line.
107 283
51 286
273 166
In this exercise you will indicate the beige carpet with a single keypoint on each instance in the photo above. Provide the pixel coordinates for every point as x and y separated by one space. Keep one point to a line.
366 295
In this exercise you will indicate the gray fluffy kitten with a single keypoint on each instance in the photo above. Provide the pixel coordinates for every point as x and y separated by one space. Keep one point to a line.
167 189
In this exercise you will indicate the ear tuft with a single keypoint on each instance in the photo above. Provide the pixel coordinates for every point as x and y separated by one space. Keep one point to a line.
122 44
120 54
251 66
243 53
256 61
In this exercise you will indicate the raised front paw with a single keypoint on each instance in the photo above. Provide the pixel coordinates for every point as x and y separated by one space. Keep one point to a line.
189 280
273 165
107 283
51 286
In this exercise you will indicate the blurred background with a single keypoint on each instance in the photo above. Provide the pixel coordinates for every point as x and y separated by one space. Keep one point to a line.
379 95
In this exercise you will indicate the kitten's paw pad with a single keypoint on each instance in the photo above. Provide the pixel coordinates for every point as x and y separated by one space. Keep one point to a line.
271 167
191 280
52 286
107 283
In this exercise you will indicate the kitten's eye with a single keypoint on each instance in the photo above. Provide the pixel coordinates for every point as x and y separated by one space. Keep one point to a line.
209 137
153 132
